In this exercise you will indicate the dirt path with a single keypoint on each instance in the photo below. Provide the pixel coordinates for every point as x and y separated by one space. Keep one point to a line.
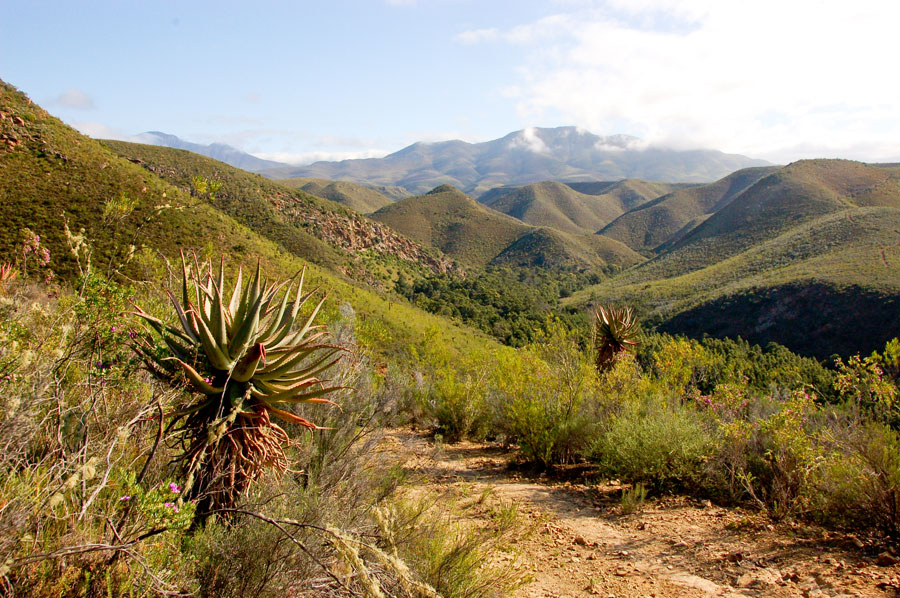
584 546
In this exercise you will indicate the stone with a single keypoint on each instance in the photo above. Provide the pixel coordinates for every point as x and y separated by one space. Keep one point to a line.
886 559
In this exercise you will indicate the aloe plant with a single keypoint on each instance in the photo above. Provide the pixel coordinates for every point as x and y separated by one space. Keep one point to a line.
615 332
248 356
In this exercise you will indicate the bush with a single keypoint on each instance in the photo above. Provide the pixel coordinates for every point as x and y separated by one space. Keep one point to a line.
546 398
664 447
859 484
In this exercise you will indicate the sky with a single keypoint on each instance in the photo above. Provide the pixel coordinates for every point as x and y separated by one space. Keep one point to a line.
298 81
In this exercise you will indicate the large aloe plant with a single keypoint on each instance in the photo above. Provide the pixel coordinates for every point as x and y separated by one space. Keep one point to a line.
615 332
249 356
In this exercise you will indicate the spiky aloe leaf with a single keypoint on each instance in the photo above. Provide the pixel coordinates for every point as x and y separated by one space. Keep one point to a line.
246 367
615 332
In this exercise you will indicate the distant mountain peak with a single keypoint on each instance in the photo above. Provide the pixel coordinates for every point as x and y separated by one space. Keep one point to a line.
217 150
566 154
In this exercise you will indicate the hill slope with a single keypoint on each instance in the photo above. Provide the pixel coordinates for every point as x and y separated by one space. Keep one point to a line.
285 215
830 284
523 157
361 198
561 206
553 249
655 222
217 151
477 236
48 172
796 194
455 223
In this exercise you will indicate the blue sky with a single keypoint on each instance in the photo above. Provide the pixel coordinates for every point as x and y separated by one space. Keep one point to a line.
316 80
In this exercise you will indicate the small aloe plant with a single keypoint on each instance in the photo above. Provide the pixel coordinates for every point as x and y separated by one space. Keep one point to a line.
249 356
615 332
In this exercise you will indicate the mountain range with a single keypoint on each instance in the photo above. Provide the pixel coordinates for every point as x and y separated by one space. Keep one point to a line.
567 154
806 255
217 151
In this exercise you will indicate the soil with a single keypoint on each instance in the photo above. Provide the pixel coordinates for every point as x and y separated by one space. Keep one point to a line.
582 544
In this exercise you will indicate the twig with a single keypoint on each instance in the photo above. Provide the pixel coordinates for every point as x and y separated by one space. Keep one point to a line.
278 524
83 548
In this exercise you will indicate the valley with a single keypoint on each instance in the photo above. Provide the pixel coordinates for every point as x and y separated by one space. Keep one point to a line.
552 364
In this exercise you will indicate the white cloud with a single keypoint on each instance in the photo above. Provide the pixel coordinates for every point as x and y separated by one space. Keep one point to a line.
767 78
74 98
529 140
101 131
475 36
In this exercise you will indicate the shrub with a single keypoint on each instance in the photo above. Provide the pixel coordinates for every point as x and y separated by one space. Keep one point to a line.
450 392
664 447
858 486
546 398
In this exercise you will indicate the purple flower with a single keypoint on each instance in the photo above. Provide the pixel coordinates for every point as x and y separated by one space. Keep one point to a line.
175 488
169 505
124 498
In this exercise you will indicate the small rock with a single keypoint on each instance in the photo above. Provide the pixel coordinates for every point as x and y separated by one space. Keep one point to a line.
579 540
886 559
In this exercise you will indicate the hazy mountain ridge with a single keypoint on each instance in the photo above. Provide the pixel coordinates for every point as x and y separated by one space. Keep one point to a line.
528 156
217 151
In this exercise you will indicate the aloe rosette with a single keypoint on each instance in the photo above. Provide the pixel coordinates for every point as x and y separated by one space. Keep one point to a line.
249 357
615 332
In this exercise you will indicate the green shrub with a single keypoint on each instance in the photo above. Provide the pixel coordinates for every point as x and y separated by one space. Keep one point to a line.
664 447
450 392
858 486
546 398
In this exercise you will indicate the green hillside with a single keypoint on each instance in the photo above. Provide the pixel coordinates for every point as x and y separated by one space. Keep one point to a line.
631 192
565 207
796 194
658 221
455 223
326 232
361 198
50 173
553 204
549 248
820 287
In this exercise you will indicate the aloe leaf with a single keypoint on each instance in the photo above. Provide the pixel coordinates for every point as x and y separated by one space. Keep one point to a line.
196 379
247 331
215 355
244 369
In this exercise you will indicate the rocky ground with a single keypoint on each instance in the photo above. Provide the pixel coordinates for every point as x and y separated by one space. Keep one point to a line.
581 543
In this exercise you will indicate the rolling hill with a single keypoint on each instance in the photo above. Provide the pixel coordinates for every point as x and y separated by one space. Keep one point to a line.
453 222
477 236
136 222
806 256
361 198
649 225
522 157
563 207
331 234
